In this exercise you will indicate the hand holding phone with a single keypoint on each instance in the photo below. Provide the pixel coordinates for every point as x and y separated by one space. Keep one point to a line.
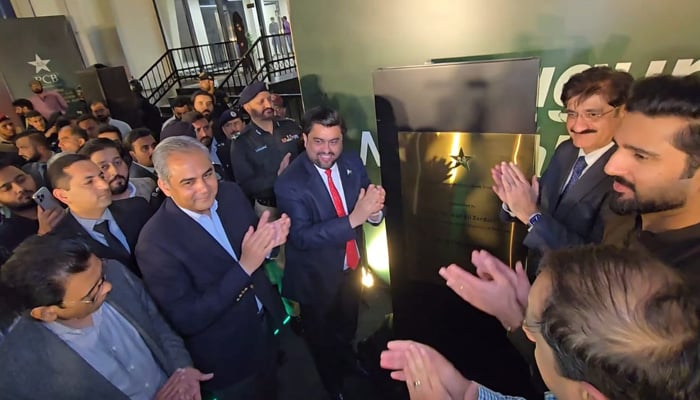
45 199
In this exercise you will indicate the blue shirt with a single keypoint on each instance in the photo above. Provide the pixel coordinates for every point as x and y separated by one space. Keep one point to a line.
89 225
488 394
114 348
212 224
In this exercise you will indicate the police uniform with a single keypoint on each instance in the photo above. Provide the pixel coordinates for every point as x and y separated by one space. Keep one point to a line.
257 155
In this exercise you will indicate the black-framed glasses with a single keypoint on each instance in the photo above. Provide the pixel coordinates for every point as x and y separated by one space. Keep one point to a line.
93 293
591 116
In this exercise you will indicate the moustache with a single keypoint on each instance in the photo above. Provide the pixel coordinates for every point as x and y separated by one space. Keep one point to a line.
584 132
325 154
26 193
117 177
624 182
269 108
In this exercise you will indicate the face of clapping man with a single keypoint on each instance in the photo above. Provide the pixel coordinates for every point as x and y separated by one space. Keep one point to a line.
204 104
84 294
324 145
539 293
651 174
84 189
114 170
16 189
591 121
192 183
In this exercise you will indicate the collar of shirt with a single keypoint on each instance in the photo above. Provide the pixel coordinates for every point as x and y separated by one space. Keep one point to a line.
132 190
149 169
593 156
67 333
335 174
260 130
212 152
89 224
197 216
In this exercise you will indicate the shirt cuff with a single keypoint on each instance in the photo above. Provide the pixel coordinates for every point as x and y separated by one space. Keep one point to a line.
377 219
506 209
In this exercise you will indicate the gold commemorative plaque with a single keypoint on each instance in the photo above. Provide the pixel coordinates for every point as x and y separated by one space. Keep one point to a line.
449 207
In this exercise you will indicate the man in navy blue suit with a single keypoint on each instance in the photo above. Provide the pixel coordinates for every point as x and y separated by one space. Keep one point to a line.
328 197
201 263
567 206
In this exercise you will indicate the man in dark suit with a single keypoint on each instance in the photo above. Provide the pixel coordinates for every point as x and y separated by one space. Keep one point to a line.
86 328
328 196
110 228
567 206
140 144
201 258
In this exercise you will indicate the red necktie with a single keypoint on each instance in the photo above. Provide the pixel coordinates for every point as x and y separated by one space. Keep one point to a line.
353 257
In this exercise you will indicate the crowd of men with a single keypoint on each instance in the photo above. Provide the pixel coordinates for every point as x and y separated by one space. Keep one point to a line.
133 260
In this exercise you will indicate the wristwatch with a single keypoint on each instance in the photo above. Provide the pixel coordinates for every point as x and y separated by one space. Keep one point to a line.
534 218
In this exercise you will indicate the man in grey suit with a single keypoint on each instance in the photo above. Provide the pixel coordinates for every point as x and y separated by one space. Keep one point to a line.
86 328
566 207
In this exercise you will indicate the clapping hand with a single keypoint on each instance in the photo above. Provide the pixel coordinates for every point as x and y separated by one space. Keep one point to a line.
496 289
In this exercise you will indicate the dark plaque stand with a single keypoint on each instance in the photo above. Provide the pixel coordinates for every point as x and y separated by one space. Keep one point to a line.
441 128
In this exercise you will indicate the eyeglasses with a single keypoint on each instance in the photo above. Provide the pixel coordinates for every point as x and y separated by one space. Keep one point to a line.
590 116
95 290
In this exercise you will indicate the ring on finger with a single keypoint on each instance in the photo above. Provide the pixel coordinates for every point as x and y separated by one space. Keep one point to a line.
416 384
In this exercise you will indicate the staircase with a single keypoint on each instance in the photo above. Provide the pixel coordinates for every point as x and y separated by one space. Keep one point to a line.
270 58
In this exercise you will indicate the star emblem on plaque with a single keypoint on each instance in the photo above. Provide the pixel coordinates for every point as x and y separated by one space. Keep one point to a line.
461 160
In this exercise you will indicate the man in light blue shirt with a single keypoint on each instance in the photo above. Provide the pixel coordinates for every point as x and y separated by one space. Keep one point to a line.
87 329
607 323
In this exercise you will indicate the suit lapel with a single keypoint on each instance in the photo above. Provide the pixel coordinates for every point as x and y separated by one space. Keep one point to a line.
562 168
188 225
319 191
72 225
592 178
349 179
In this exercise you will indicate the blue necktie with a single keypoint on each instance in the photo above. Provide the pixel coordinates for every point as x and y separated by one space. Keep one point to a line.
576 173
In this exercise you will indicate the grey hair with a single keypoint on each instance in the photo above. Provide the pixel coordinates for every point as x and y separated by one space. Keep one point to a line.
174 144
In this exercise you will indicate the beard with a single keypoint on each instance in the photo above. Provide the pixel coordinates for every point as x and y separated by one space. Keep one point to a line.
25 203
118 184
206 141
668 200
102 119
38 90
34 158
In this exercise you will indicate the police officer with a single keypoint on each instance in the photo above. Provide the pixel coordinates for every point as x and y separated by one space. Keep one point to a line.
264 148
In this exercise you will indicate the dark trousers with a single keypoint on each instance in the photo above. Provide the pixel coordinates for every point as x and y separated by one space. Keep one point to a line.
262 385
329 330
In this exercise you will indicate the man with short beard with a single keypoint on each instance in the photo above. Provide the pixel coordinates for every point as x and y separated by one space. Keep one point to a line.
103 116
35 149
218 152
26 218
46 103
110 158
655 171
264 148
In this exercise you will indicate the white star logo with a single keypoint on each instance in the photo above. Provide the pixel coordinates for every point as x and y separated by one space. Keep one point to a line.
39 64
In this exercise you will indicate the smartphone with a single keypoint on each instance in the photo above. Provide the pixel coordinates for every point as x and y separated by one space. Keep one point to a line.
45 199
